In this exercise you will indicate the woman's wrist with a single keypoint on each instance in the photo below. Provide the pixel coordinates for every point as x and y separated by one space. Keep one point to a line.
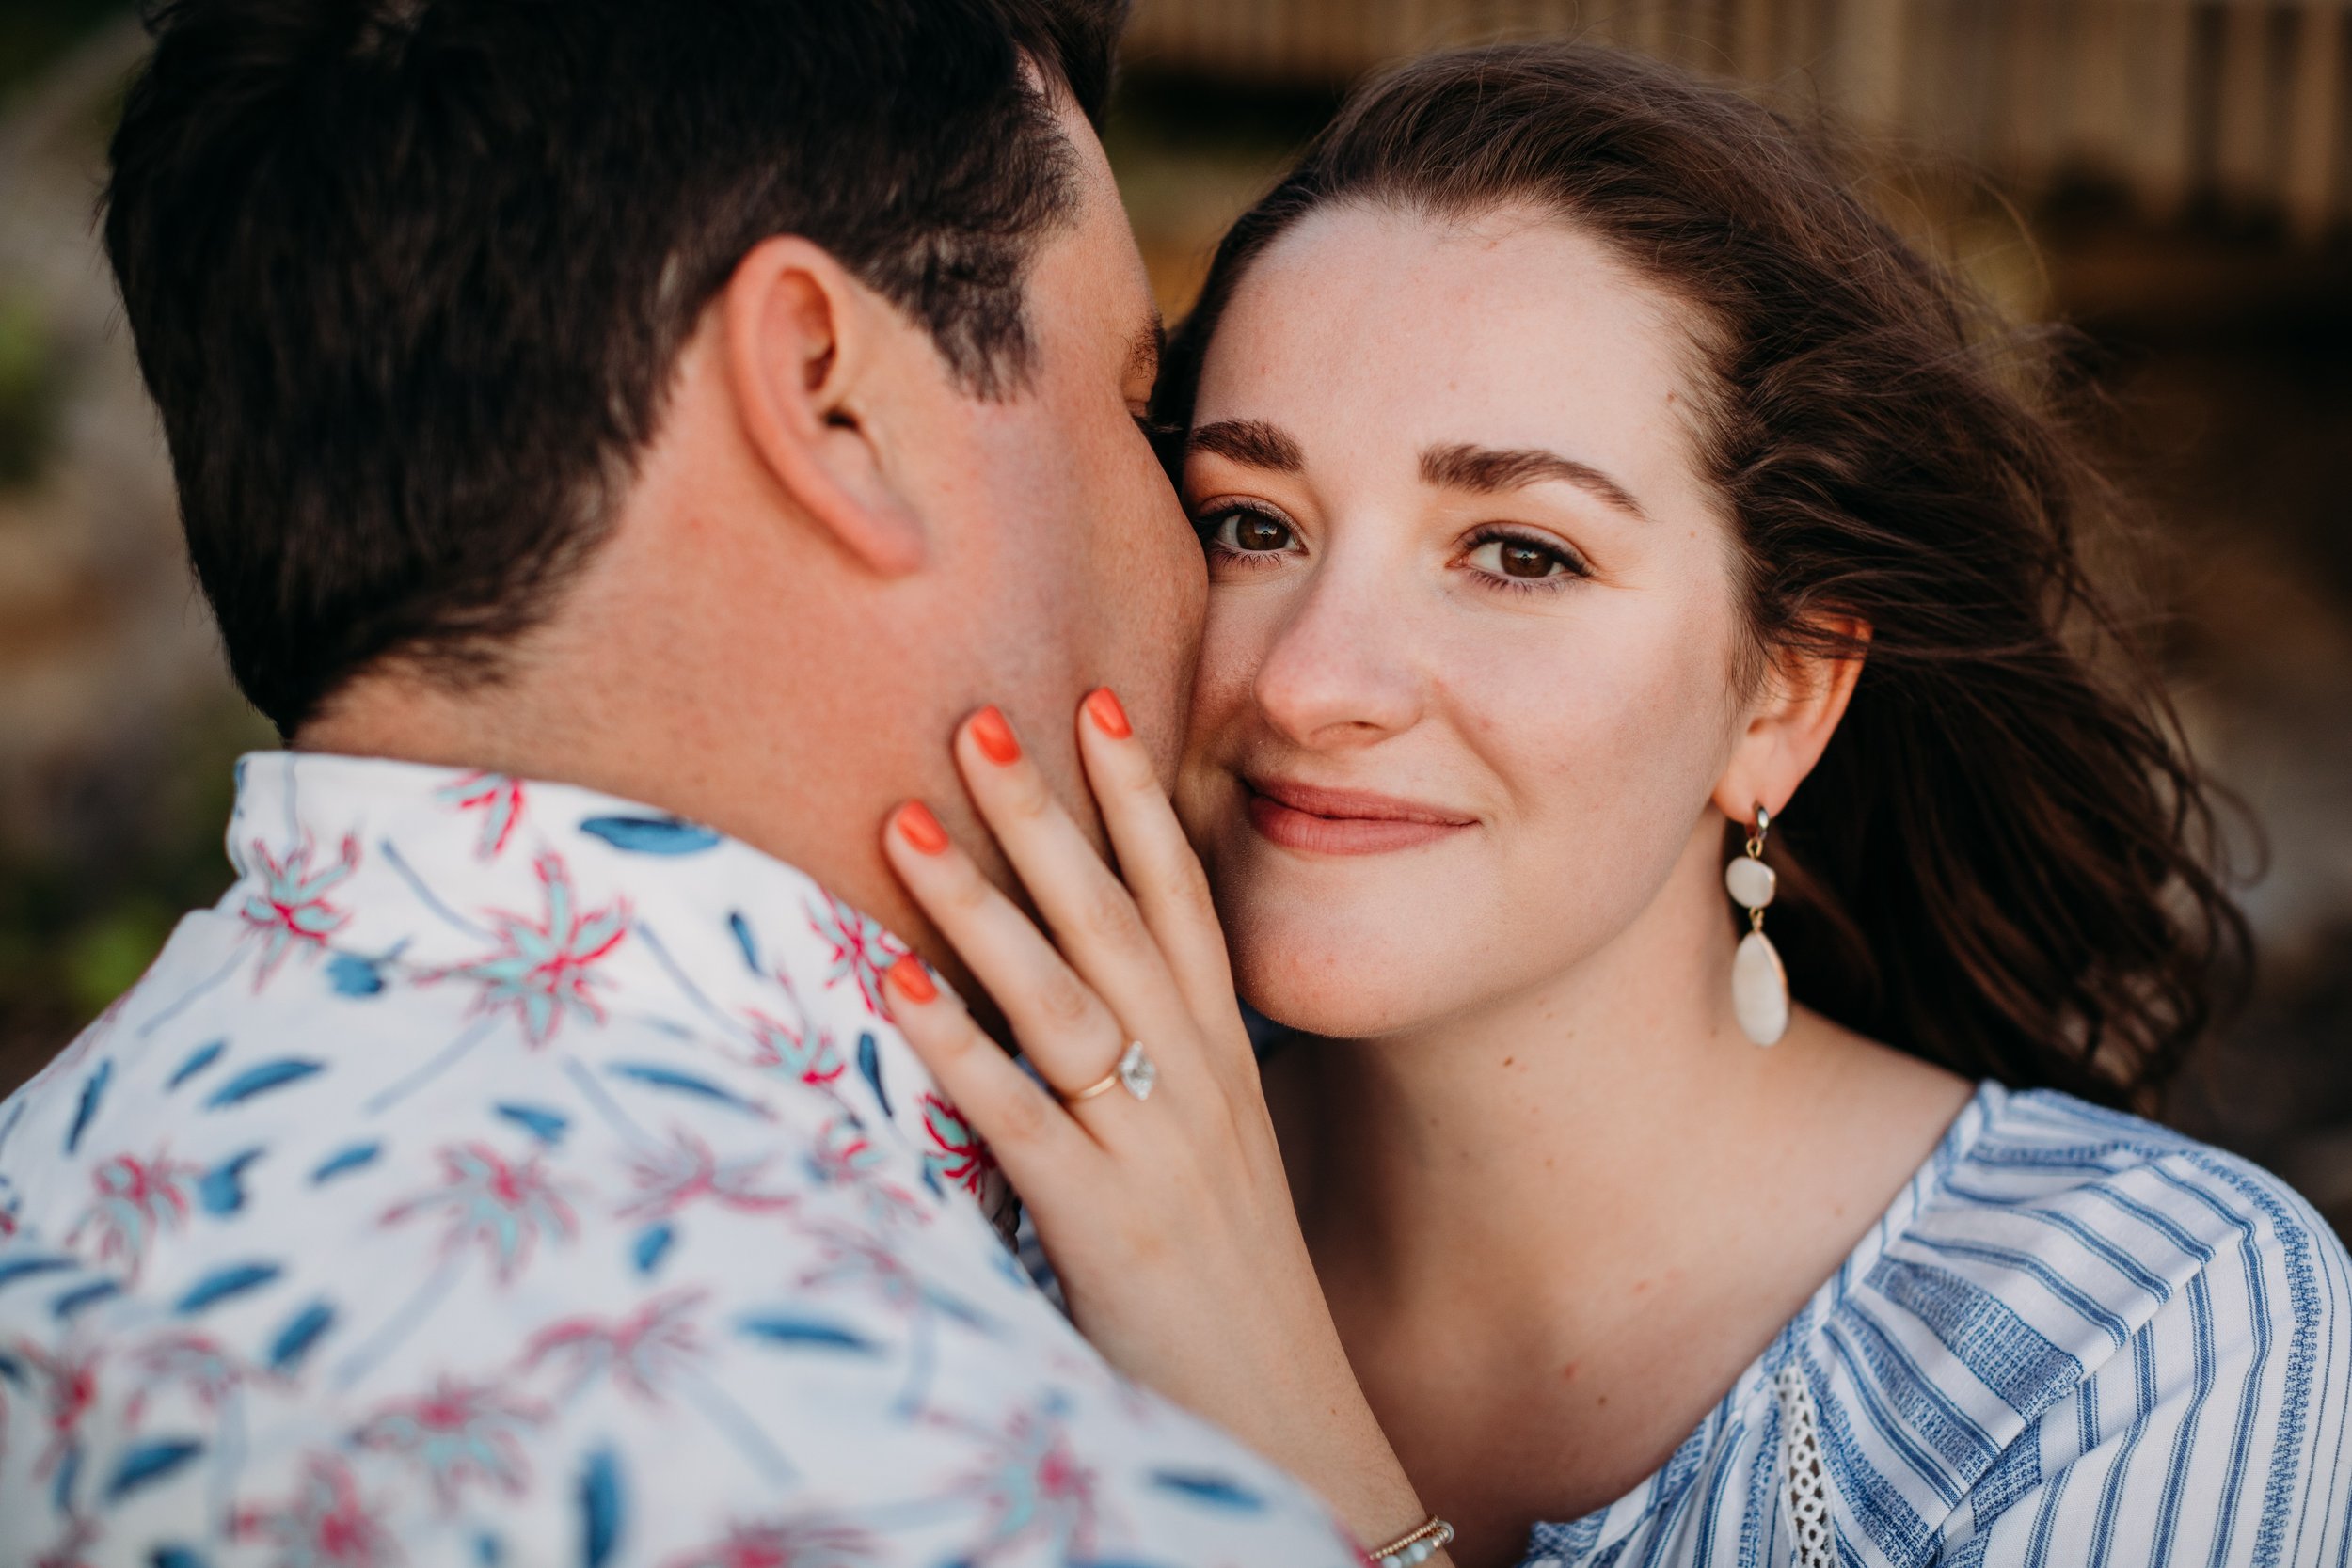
1416 1546
1350 1462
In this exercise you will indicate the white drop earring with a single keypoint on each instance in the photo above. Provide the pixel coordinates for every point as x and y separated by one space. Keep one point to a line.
1759 985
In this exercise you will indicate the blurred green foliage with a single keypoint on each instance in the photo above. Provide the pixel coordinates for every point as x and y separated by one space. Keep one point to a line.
35 32
29 390
79 923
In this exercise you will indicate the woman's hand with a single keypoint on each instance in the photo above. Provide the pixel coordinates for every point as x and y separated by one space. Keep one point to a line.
1168 1219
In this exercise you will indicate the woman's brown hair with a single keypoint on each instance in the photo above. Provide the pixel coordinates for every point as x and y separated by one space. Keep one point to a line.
2001 863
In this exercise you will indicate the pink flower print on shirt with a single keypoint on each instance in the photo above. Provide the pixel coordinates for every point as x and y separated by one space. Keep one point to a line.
688 1171
505 1208
846 1157
498 798
641 1352
958 1156
183 1360
136 1201
803 1054
459 1434
69 1392
545 969
327 1525
1036 1489
291 910
795 1543
862 950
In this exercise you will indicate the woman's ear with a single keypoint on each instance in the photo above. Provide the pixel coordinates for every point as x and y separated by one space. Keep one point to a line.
801 355
1805 693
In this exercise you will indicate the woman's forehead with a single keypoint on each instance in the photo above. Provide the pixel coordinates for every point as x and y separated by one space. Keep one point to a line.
1367 322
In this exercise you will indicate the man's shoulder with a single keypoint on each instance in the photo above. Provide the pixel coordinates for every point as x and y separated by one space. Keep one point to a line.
344 1247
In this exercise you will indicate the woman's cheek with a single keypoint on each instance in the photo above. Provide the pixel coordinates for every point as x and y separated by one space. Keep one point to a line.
1607 753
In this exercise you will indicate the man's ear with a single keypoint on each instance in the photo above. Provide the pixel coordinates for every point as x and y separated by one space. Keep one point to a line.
1805 695
801 358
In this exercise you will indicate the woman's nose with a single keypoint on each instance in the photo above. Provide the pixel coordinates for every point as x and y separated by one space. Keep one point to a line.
1341 672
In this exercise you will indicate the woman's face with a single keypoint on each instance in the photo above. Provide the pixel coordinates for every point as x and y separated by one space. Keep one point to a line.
1466 687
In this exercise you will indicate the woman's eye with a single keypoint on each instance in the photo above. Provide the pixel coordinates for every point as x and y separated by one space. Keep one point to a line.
1245 533
1523 559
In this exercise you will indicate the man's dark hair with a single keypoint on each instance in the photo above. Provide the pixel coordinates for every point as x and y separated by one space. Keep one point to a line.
408 278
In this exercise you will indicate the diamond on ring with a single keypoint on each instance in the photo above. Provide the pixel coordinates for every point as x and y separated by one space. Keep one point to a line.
1136 1072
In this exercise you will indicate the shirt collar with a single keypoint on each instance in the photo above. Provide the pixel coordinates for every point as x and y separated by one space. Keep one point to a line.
566 908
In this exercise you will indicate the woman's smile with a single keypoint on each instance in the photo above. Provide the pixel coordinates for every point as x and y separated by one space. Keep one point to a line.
1323 821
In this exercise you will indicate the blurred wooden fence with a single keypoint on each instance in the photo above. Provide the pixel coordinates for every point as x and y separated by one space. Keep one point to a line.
2248 102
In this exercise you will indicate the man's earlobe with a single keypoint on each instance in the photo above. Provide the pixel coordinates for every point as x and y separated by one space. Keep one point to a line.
796 328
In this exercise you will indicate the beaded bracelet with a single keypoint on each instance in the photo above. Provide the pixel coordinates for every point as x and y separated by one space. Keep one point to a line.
1418 1544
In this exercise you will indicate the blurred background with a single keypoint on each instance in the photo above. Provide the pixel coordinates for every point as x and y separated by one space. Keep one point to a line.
2171 177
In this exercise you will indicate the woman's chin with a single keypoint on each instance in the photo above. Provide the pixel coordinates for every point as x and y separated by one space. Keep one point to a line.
1332 994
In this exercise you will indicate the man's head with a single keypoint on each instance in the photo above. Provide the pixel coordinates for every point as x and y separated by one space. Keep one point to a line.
718 376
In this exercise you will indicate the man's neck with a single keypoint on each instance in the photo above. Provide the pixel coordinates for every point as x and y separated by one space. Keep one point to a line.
763 787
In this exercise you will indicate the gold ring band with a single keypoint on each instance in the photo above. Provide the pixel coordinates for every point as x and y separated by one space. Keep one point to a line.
1109 1080
1133 1073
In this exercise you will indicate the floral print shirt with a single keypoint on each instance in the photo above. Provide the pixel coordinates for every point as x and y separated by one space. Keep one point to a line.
503 1173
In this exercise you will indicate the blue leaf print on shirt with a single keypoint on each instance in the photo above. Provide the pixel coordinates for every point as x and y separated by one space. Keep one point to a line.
234 1279
870 1065
1217 1491
14 1269
261 1080
199 1059
68 1473
353 975
546 1126
600 1509
83 1295
222 1189
174 1557
651 1244
743 930
683 1083
345 1160
651 835
295 1340
148 1463
784 1328
93 1092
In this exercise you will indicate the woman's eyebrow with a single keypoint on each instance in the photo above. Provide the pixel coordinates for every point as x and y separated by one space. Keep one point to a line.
1463 467
1252 441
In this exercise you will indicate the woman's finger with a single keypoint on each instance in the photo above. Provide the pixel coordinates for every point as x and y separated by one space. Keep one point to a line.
1156 861
1063 1027
1093 920
1041 1148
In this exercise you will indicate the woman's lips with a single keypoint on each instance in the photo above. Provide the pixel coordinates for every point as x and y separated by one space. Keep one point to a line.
1343 821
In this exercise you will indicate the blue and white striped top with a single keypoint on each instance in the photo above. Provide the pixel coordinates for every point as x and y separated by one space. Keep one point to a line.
2077 1338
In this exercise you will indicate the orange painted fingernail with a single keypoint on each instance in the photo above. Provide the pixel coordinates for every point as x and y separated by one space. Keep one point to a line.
996 740
913 980
1103 705
920 828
